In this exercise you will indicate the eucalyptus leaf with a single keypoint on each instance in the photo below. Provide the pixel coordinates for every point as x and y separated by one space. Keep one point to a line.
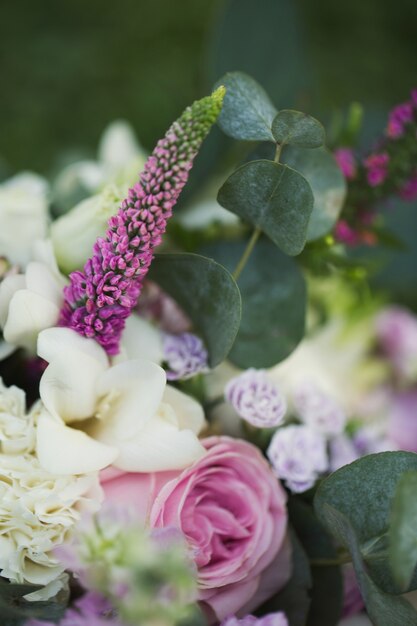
273 197
327 584
297 129
15 610
207 293
247 111
382 608
273 303
403 530
294 598
320 169
363 492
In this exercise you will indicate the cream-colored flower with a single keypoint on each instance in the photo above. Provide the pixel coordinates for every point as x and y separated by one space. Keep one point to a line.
38 509
30 302
23 215
17 429
96 414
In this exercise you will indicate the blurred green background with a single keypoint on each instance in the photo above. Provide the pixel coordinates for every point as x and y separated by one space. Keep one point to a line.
70 67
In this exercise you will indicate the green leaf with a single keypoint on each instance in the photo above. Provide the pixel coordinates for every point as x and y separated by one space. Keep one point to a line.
247 111
382 608
294 598
273 303
326 180
403 530
327 585
15 610
207 293
273 197
297 129
363 491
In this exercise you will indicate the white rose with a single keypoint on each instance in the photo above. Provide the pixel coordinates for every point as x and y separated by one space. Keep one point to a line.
124 414
23 215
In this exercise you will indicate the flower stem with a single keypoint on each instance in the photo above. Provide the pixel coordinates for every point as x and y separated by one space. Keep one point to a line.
248 251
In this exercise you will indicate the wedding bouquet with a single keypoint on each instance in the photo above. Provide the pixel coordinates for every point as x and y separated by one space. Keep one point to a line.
208 419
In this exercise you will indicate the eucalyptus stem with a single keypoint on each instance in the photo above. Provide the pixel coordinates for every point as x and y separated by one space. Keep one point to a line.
278 152
248 251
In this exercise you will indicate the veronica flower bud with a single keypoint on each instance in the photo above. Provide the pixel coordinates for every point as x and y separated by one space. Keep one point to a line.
101 297
256 399
185 356
298 456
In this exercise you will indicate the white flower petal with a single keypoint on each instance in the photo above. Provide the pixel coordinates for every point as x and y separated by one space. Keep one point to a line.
118 145
6 350
131 393
41 280
64 450
8 288
188 411
68 385
29 313
56 342
142 340
159 446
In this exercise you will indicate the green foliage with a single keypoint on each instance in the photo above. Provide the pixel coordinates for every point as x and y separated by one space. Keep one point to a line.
247 111
207 293
15 610
354 503
297 129
294 598
327 182
403 530
273 304
273 197
327 585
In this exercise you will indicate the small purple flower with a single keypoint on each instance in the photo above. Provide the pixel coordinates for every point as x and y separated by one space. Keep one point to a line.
377 168
346 162
256 399
396 330
400 115
346 234
185 355
92 609
272 619
319 410
298 456
408 191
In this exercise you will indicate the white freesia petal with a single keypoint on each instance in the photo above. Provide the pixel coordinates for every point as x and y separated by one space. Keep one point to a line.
188 411
158 447
131 393
68 386
118 145
142 340
55 342
41 280
6 350
8 288
43 252
29 313
64 450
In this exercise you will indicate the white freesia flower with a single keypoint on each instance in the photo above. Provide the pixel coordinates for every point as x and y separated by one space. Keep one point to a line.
23 215
96 414
39 510
31 302
83 224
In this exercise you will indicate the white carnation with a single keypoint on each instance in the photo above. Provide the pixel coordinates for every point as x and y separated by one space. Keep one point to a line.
17 430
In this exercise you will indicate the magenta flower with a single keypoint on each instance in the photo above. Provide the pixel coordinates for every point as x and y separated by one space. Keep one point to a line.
346 234
400 115
377 168
408 191
346 162
99 299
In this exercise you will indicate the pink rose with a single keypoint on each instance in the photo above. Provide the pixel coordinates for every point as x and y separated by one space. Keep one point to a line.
232 511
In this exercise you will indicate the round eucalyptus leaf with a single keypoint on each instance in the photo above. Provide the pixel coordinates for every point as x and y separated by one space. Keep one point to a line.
297 129
320 169
403 530
208 294
247 111
273 197
273 303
